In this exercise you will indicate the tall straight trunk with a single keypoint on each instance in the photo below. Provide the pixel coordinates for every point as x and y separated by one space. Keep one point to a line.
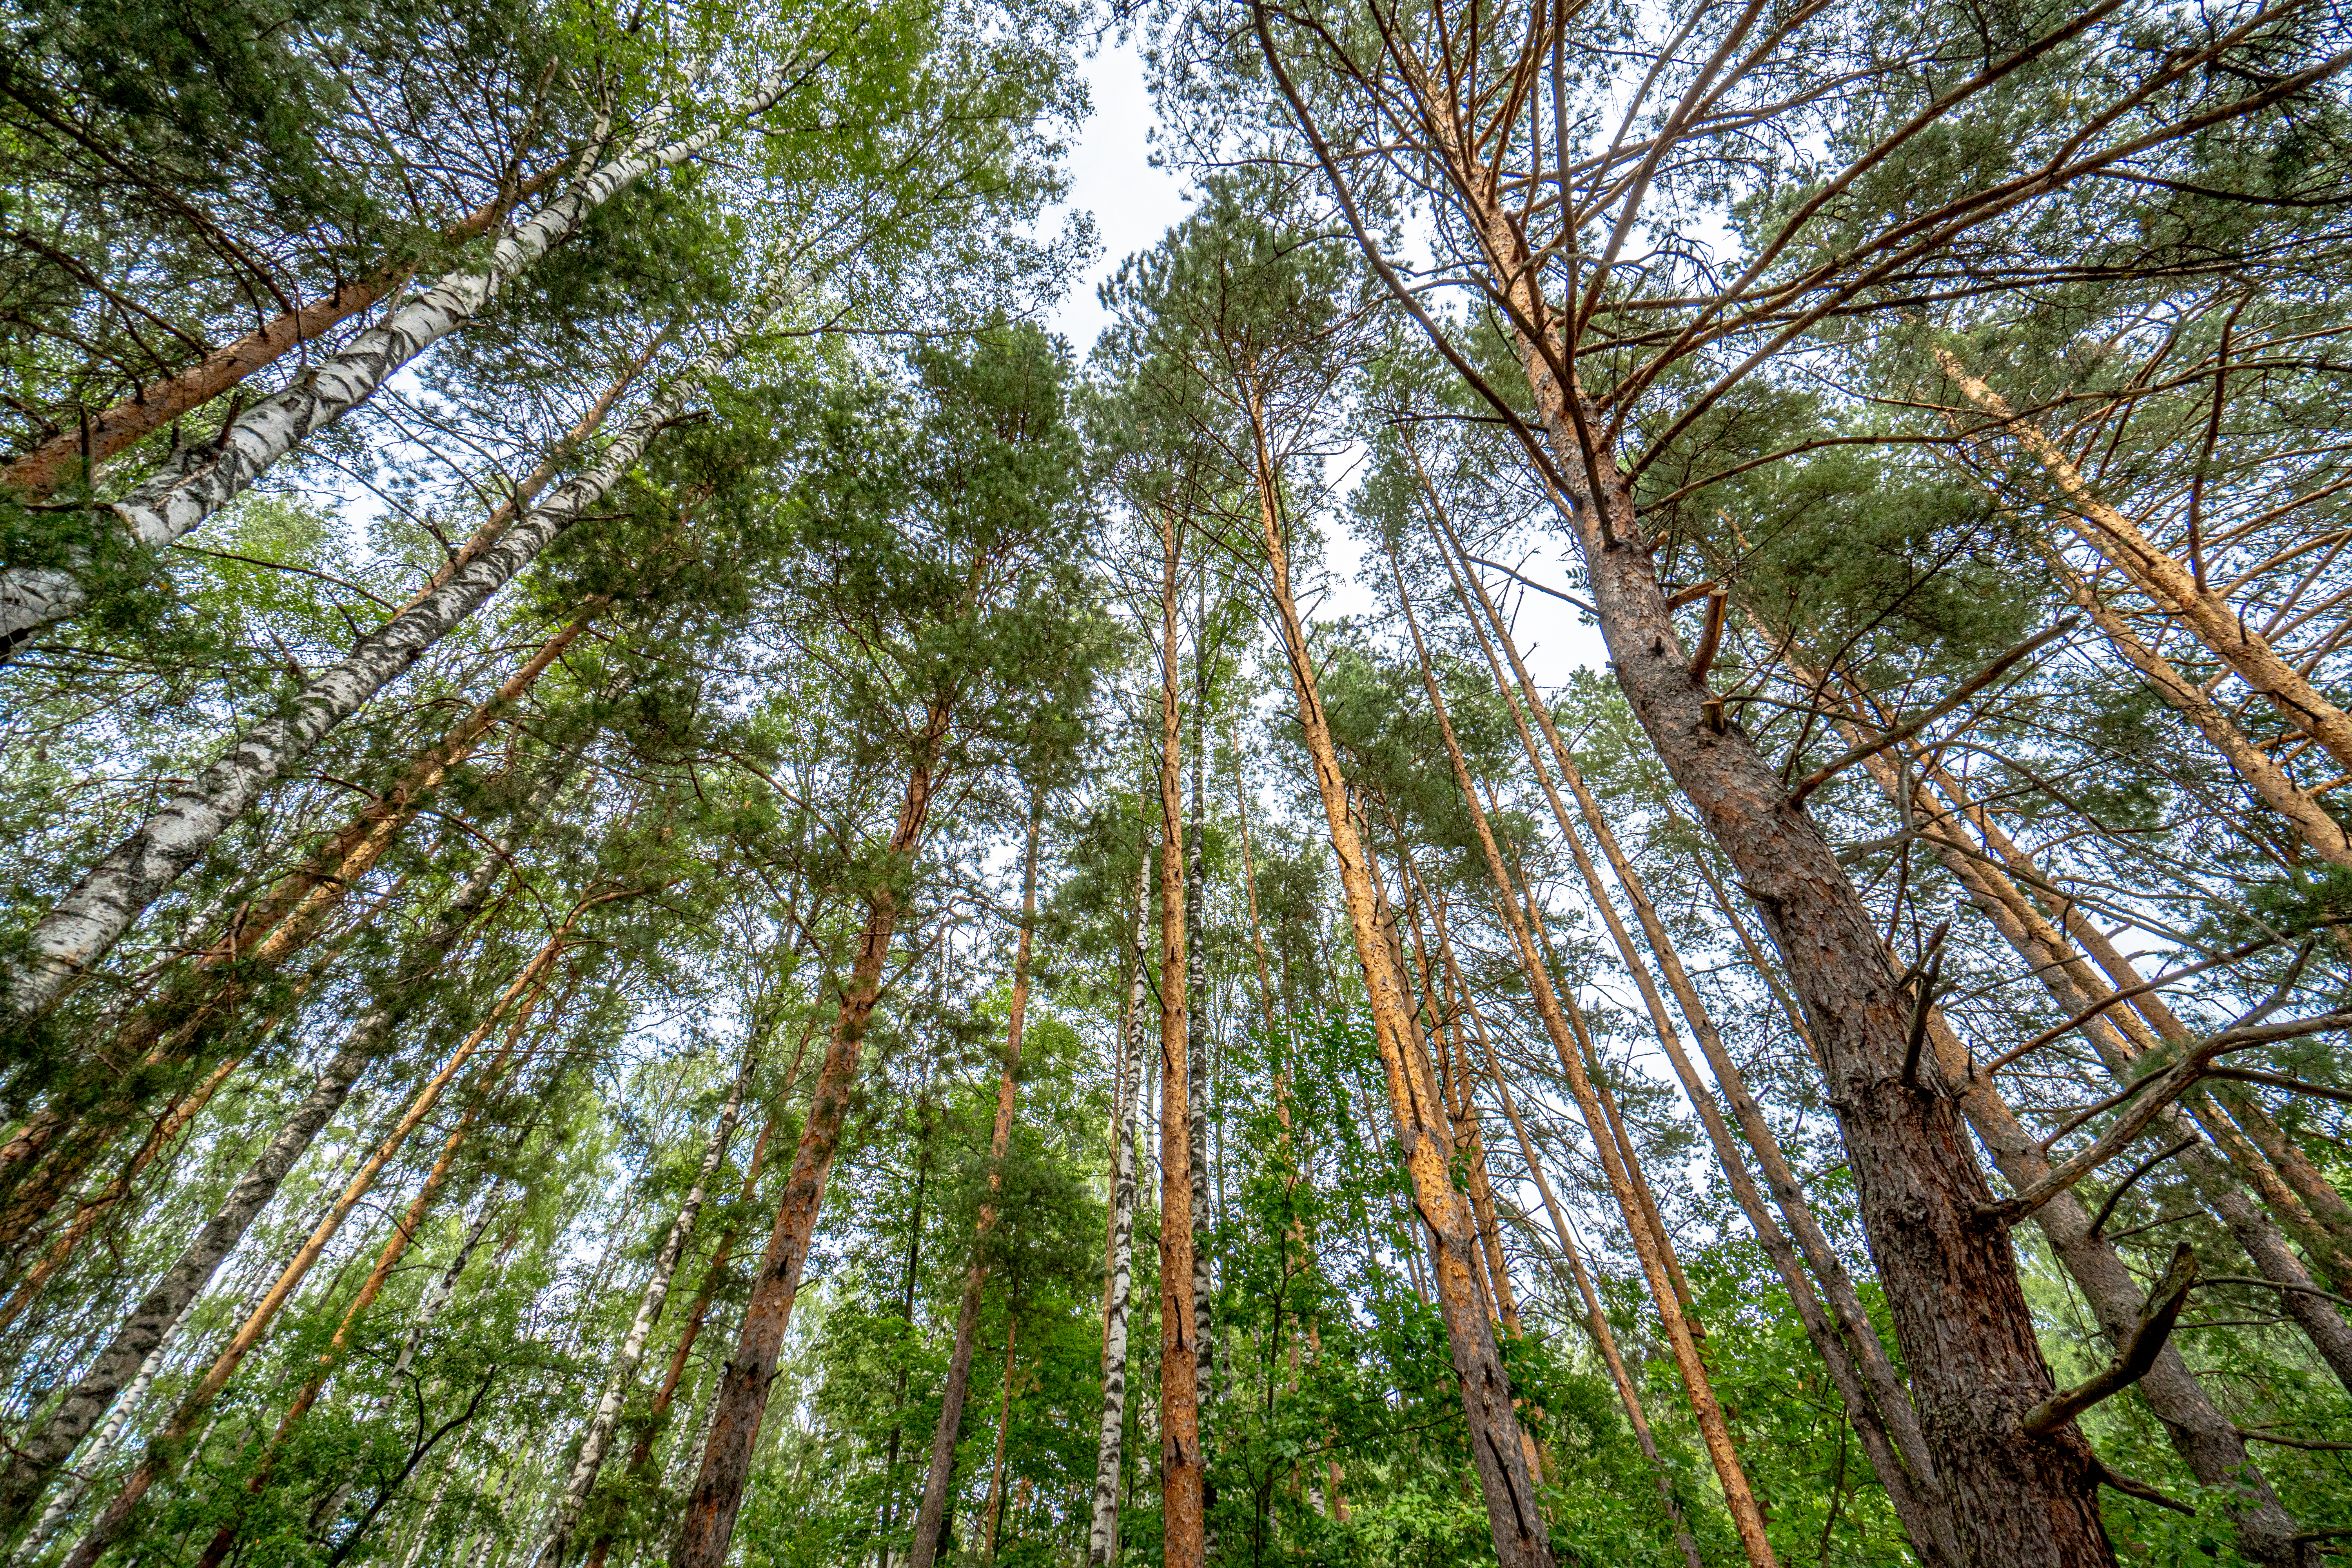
1182 1471
1196 1032
1604 1339
2170 586
617 1381
2320 832
741 1401
1875 1400
933 1512
173 502
1003 1429
1960 1314
112 895
169 1447
1102 1535
55 462
85 1404
1520 1538
1616 1151
213 984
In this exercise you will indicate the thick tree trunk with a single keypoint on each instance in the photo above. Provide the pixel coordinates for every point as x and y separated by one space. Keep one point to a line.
933 1512
2169 585
115 893
55 462
1181 1476
1609 1138
740 1399
169 1447
171 503
86 1404
607 1415
1102 1536
1876 1401
1521 1540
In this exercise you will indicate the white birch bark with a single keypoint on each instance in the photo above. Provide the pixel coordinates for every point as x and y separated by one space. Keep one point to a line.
116 891
168 506
601 1426
143 1330
102 1449
1102 1539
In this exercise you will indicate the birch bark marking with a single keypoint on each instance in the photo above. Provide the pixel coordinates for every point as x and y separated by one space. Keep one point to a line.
1616 1154
625 1360
933 1512
1102 1536
2168 585
115 893
1521 1540
171 504
1876 1403
40 1453
1180 1470
740 1399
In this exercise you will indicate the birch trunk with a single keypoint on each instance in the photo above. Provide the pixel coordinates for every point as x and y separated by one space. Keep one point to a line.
218 980
102 1449
1876 1403
1616 1151
168 1447
1520 1538
932 1514
1196 1046
52 464
2170 586
86 1404
1181 1477
1102 1537
115 893
740 1399
607 1415
168 506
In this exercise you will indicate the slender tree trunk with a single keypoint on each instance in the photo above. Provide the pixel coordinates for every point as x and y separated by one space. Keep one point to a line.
101 1450
1616 1151
171 503
1003 1428
87 1405
1521 1540
215 982
607 1415
114 893
57 461
1196 1029
741 1398
2170 586
975 1279
1102 1536
169 1447
1603 1338
1181 1476
1874 1396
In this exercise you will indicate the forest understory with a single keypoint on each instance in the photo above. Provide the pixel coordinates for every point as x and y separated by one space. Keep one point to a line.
1622 838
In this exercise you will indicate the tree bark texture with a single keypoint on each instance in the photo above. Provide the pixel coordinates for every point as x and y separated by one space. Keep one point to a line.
1102 1535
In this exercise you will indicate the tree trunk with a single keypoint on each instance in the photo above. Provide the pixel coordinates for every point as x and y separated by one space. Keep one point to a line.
1521 1540
168 1447
2170 586
741 1398
1102 1537
171 503
55 462
607 1415
975 1279
1617 1156
1876 1401
1003 1429
90 1398
115 893
1181 1476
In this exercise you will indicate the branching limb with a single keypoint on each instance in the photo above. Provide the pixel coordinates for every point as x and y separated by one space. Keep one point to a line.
2133 1359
